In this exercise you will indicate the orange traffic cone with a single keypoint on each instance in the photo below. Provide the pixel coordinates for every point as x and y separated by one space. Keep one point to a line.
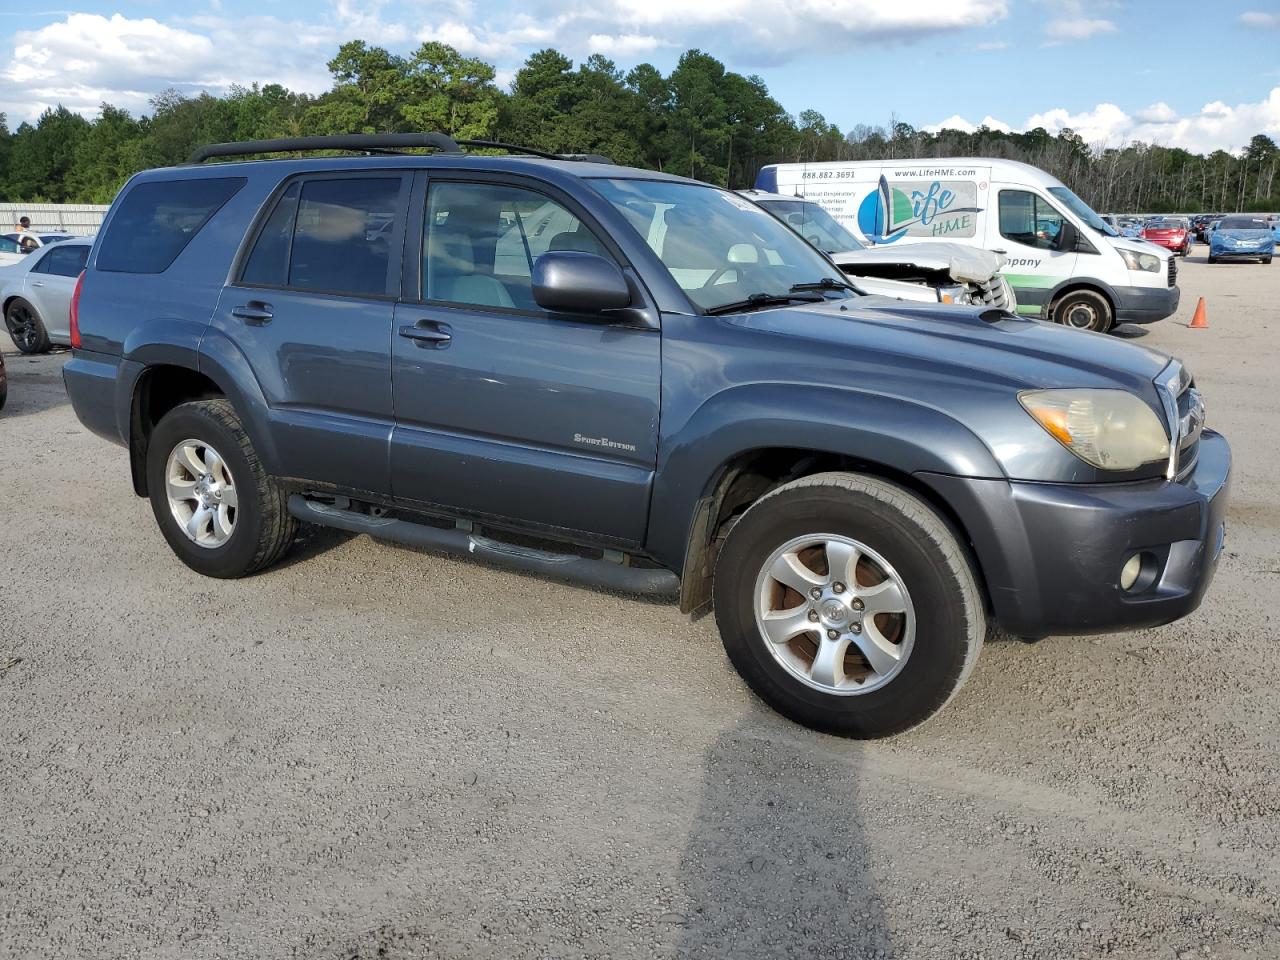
1198 320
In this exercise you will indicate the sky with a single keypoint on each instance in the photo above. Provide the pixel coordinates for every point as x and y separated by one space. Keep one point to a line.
1200 74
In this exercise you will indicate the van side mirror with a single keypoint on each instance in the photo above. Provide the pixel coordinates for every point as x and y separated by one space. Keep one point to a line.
1068 236
573 282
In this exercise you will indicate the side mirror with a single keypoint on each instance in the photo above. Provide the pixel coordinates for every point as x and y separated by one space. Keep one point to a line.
573 282
1067 236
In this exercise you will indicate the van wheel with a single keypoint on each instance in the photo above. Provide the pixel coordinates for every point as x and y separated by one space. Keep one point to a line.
847 604
26 329
1083 310
217 508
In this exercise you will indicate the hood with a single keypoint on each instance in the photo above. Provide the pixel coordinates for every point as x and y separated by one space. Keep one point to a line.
1236 234
1140 246
999 350
960 262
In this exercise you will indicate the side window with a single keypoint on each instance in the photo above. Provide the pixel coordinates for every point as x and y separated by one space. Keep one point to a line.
63 261
156 219
268 263
483 239
8 244
342 235
1028 219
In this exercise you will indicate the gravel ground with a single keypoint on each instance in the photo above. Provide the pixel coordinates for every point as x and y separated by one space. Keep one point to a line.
373 752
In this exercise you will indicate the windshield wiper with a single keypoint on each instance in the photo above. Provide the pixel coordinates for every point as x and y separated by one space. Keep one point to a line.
826 283
759 300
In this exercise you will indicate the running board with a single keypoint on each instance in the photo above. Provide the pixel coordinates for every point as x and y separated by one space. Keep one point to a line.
461 540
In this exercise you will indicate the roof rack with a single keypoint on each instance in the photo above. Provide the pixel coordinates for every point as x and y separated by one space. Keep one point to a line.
381 143
516 148
362 142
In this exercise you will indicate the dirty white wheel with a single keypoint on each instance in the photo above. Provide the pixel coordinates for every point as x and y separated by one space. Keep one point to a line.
835 614
202 493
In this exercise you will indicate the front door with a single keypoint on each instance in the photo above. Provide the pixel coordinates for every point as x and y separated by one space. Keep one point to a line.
507 410
1025 229
311 314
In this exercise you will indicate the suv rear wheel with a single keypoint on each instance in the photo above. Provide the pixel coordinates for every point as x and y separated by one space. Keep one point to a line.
848 605
218 509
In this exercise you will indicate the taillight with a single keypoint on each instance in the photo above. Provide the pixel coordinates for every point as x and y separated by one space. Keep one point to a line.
75 312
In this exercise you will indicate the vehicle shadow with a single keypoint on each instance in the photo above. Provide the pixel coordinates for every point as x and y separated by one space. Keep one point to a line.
35 383
1129 331
311 542
776 864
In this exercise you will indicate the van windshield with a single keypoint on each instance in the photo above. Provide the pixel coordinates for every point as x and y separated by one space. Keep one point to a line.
1083 211
814 224
721 249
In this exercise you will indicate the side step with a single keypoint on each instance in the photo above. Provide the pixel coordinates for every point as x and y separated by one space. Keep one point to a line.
558 566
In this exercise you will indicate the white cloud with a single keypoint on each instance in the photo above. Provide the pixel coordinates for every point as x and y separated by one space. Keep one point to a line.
623 45
1214 126
957 122
1256 18
1068 30
994 45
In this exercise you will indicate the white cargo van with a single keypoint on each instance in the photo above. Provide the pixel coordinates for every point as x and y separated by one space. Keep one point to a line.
1063 261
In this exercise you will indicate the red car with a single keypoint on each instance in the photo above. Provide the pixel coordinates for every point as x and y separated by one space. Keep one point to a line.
1173 235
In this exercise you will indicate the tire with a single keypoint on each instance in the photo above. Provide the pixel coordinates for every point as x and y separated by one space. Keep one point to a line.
1213 259
935 638
1266 260
1083 310
26 329
229 541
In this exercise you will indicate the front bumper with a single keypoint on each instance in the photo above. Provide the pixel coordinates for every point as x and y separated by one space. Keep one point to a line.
1236 253
1146 304
1051 554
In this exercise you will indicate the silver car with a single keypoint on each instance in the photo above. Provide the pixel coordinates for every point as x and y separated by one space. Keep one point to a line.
36 294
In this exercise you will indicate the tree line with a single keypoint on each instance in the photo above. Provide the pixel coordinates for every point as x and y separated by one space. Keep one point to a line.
700 120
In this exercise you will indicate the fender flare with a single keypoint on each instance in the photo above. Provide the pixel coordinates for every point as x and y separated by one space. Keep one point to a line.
895 433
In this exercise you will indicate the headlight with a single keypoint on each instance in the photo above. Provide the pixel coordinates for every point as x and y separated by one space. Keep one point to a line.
1111 429
954 293
1141 261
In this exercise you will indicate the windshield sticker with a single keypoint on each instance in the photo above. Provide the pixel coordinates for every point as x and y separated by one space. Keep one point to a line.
742 204
920 208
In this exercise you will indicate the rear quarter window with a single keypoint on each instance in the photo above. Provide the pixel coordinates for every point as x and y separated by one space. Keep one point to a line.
157 219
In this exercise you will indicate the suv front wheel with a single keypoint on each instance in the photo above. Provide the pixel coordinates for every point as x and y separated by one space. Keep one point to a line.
218 509
848 605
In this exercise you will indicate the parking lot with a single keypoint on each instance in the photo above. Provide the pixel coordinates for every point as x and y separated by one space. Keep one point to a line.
369 751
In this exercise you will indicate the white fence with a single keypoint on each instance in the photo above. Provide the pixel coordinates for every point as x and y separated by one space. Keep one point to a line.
77 218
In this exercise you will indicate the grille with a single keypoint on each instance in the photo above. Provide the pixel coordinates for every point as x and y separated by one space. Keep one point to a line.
1190 426
990 293
1173 271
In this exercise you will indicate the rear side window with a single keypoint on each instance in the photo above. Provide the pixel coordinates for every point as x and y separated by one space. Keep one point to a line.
63 261
156 220
333 235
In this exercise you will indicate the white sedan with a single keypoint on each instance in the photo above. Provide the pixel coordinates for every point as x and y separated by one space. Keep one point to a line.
35 294
16 247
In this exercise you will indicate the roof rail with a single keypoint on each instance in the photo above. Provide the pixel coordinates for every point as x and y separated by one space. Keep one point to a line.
365 142
516 148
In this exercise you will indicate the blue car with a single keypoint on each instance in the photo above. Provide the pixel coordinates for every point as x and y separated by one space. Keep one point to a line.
1242 237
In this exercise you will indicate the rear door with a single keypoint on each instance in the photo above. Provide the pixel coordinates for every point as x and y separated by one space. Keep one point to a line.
311 311
1024 226
504 409
51 282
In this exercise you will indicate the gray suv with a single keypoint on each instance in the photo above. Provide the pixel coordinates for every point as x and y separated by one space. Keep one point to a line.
643 383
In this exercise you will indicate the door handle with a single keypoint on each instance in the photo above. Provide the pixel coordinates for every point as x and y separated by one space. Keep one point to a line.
253 312
428 333
37 283
1001 252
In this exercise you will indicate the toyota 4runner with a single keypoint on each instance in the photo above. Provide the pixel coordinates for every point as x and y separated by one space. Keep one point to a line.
639 382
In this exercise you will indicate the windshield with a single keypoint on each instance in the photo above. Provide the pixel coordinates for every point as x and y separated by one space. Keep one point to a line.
1082 210
1243 223
720 248
814 224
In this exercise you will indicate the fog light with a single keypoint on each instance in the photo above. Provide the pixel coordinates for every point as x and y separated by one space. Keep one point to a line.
1130 571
